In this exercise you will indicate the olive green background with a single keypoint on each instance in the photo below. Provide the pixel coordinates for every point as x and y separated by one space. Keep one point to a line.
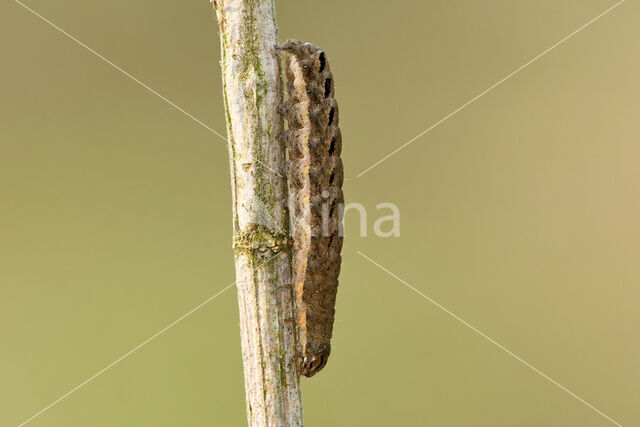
520 214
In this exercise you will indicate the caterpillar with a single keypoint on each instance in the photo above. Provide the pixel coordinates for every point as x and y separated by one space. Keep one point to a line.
316 203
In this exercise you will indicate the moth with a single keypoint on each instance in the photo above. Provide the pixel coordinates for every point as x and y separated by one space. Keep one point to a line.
316 202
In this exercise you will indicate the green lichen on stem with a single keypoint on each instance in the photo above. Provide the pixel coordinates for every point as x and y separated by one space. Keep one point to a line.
256 89
224 46
250 61
282 360
260 239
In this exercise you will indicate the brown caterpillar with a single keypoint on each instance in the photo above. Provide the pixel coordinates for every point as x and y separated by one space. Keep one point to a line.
315 176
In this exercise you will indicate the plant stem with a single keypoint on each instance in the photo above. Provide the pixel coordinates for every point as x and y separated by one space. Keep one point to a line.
252 93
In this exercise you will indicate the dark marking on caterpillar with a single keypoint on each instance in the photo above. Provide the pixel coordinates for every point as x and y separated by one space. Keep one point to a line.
315 176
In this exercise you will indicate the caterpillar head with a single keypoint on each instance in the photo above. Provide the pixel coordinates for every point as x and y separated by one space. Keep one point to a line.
290 46
315 358
298 48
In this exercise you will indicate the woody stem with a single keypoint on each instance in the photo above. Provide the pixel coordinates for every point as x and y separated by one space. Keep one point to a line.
252 93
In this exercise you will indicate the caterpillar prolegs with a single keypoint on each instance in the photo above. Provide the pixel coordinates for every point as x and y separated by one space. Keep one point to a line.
315 176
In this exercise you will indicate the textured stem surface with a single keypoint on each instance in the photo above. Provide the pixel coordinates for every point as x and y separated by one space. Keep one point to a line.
252 93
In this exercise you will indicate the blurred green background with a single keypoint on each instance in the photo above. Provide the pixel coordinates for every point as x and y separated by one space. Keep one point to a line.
519 214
